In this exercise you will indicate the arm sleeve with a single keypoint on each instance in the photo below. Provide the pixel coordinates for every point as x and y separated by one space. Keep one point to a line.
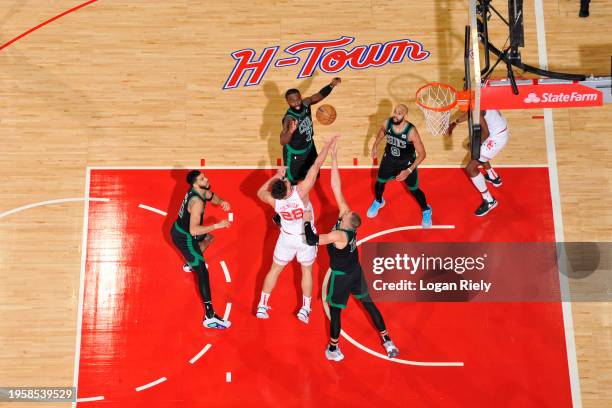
312 239
326 90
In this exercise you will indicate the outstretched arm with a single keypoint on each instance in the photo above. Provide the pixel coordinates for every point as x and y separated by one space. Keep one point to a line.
313 239
311 177
322 94
464 117
336 182
196 208
264 191
217 200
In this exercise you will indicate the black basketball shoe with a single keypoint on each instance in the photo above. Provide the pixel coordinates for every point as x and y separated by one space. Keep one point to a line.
485 207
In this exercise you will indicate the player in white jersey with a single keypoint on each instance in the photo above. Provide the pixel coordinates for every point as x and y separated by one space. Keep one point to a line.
493 139
290 202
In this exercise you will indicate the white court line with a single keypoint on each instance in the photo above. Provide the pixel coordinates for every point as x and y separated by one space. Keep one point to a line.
380 355
228 376
368 350
228 278
151 384
155 210
399 360
551 153
89 399
228 309
406 228
200 354
77 350
49 202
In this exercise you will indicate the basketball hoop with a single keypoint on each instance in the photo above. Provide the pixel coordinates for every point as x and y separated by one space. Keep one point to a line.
437 101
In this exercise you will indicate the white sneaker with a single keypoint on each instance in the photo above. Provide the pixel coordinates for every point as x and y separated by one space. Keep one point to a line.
187 268
392 350
216 322
262 312
335 355
304 314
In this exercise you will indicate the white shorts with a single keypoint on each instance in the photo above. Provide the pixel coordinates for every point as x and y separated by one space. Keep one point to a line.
492 146
291 246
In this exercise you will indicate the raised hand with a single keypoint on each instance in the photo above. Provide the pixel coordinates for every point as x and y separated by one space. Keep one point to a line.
330 142
334 149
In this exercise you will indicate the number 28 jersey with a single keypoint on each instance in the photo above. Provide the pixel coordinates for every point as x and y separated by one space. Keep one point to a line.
291 211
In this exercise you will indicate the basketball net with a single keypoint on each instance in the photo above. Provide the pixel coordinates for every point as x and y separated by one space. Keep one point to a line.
437 101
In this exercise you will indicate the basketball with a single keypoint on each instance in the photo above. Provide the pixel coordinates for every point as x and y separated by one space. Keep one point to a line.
326 114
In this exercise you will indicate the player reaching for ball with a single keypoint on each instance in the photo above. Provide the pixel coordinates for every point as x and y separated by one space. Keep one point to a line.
299 151
346 274
291 202
404 151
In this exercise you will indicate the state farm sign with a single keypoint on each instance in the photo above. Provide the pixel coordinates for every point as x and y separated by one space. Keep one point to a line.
530 96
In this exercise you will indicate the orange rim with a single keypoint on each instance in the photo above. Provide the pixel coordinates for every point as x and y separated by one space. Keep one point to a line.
463 100
440 109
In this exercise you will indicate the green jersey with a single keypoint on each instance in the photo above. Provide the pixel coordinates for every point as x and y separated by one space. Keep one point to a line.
302 136
183 215
399 146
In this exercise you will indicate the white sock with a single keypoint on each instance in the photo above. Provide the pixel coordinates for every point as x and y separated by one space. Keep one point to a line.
263 301
480 184
492 174
306 301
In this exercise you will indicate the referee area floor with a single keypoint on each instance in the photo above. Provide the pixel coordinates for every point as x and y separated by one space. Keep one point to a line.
143 344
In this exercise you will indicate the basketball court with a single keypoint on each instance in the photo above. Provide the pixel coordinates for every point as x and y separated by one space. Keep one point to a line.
116 350
108 106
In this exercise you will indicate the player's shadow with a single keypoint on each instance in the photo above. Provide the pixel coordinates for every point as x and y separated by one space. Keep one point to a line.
248 188
468 153
375 121
172 208
272 115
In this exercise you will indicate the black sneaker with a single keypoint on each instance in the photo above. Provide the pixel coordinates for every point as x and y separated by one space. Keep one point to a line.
277 220
584 12
496 181
485 207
